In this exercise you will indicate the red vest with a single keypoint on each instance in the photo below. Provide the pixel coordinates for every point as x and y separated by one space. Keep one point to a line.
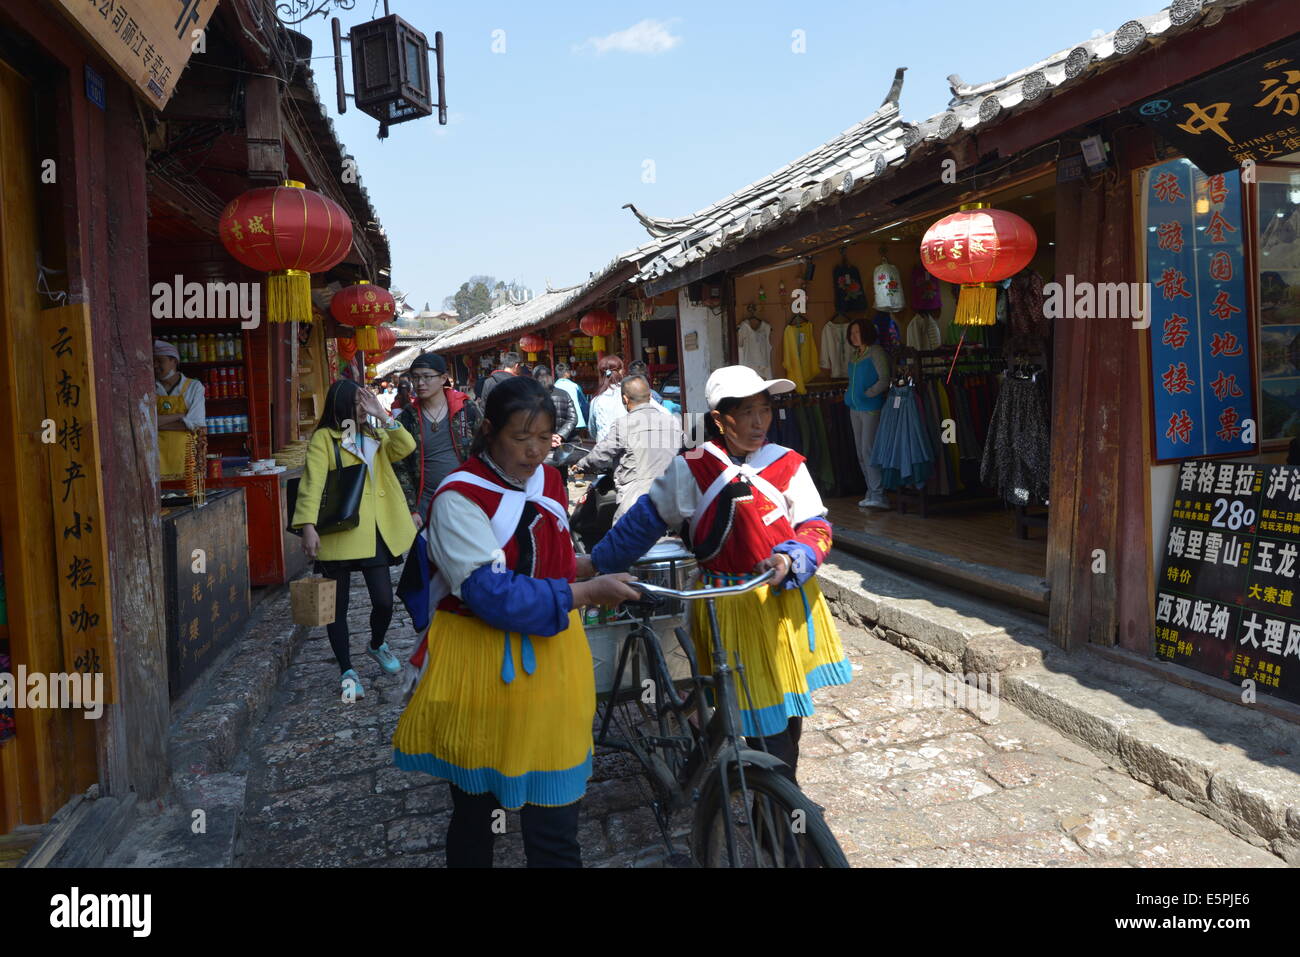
751 528
550 545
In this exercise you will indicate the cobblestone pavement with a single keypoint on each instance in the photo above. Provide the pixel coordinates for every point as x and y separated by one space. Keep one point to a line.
909 777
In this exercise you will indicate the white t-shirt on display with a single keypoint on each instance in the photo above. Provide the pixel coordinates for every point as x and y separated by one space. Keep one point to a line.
756 347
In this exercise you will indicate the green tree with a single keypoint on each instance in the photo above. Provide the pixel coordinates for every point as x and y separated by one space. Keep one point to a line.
472 298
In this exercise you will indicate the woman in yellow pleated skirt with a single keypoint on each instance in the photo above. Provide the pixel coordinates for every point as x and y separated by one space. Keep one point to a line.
504 706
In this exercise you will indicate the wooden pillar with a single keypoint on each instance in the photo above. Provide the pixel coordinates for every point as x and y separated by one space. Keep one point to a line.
263 134
1098 422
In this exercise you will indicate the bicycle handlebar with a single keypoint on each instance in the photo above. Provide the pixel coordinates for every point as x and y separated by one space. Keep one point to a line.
698 593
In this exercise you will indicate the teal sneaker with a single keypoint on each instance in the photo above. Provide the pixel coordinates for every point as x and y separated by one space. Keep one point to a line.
387 660
352 687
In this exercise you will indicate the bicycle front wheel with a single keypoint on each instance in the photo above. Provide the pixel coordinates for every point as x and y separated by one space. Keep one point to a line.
779 826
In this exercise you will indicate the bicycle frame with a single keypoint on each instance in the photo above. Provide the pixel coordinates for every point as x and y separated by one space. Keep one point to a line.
716 747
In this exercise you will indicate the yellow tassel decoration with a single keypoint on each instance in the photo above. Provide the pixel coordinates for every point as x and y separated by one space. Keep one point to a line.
288 296
977 305
597 343
367 338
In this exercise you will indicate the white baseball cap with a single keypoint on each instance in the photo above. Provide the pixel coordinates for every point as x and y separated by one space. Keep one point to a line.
739 382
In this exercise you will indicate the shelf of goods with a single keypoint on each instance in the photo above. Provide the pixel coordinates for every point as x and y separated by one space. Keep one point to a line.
220 356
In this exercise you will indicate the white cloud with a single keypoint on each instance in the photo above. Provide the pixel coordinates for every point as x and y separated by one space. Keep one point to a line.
648 36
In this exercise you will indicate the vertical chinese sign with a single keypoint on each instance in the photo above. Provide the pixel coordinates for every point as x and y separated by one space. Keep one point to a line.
1228 597
80 545
1202 372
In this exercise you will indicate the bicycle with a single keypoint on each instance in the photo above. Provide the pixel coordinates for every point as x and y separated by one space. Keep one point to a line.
747 813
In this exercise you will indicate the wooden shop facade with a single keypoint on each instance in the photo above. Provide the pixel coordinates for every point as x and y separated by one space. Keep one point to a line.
122 138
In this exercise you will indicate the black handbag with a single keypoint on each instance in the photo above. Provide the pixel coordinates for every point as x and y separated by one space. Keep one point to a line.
340 500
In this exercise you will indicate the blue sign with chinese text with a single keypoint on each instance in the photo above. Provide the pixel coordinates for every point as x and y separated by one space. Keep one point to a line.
1202 372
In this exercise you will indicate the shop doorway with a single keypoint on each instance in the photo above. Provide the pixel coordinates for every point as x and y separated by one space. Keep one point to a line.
962 529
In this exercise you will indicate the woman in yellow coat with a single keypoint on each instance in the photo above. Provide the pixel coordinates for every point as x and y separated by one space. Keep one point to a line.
385 530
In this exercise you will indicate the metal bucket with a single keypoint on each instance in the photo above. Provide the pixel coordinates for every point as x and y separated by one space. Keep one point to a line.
668 564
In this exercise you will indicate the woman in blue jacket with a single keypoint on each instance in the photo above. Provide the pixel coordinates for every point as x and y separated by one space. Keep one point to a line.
865 397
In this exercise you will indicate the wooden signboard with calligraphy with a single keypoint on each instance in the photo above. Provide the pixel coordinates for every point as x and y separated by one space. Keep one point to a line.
1228 596
149 42
80 546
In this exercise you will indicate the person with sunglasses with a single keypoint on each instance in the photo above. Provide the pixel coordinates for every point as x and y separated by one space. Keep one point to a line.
443 422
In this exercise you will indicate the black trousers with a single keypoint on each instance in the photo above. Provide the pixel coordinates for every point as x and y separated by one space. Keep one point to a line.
550 833
784 746
379 583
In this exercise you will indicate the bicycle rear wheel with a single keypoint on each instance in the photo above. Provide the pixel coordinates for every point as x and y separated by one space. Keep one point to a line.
783 827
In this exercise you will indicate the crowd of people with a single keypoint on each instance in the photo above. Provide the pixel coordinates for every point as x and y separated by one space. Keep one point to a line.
471 492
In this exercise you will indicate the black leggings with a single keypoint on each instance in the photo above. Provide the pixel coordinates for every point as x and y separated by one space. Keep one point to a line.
550 833
379 582
784 745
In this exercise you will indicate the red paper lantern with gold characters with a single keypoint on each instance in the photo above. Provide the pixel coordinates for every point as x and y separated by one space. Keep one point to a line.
364 306
598 324
288 232
977 247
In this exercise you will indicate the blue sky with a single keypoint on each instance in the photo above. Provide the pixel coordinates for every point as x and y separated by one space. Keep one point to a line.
549 138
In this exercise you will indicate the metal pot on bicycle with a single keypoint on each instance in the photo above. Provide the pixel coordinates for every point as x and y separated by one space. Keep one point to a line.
668 564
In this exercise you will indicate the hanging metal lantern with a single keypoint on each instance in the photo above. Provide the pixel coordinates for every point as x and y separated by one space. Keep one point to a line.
598 324
364 306
978 247
390 71
288 232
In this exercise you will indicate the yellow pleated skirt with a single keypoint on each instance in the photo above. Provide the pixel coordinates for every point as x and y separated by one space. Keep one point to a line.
506 714
788 644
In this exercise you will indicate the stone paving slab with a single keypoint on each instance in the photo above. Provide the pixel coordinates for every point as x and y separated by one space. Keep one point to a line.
908 779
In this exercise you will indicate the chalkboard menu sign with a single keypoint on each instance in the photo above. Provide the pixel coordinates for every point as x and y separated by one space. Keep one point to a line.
1228 596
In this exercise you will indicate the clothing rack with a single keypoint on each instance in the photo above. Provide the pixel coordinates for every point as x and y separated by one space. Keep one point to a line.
914 364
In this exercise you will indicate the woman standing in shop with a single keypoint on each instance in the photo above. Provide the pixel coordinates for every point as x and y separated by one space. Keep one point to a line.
745 505
503 709
385 531
865 397
607 403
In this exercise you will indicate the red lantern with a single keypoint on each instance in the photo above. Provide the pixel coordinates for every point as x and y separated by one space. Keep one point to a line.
598 324
532 344
364 306
978 247
387 336
288 232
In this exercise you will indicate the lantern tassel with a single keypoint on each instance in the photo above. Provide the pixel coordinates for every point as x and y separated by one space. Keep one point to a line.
288 296
977 305
368 339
